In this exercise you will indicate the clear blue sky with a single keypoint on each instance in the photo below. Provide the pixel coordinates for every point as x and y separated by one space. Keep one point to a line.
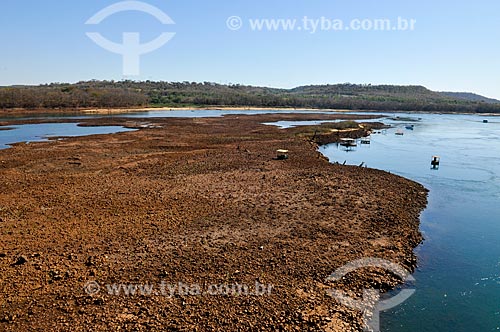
455 45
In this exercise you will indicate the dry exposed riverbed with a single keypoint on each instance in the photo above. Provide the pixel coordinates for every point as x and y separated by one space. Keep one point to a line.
198 202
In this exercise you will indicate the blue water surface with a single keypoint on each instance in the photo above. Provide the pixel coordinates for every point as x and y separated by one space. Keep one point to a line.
458 278
42 132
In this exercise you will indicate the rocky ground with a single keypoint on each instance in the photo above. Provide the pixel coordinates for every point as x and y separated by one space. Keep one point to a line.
193 202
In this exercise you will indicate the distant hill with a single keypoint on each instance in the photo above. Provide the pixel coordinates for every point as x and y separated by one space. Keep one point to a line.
470 97
109 94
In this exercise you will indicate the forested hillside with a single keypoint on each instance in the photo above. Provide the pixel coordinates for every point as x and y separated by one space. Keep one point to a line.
108 94
470 97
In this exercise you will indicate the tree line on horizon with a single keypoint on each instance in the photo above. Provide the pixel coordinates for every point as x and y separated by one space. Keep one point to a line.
120 94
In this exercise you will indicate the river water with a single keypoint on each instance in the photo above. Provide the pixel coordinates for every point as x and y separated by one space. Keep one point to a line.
458 278
42 132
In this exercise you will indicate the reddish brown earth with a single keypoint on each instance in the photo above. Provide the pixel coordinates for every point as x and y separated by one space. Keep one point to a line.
197 201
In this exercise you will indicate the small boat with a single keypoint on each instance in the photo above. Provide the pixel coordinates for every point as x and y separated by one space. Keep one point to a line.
436 160
400 132
366 140
348 142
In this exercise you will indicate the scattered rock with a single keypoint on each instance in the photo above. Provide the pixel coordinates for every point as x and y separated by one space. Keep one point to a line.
55 275
21 260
